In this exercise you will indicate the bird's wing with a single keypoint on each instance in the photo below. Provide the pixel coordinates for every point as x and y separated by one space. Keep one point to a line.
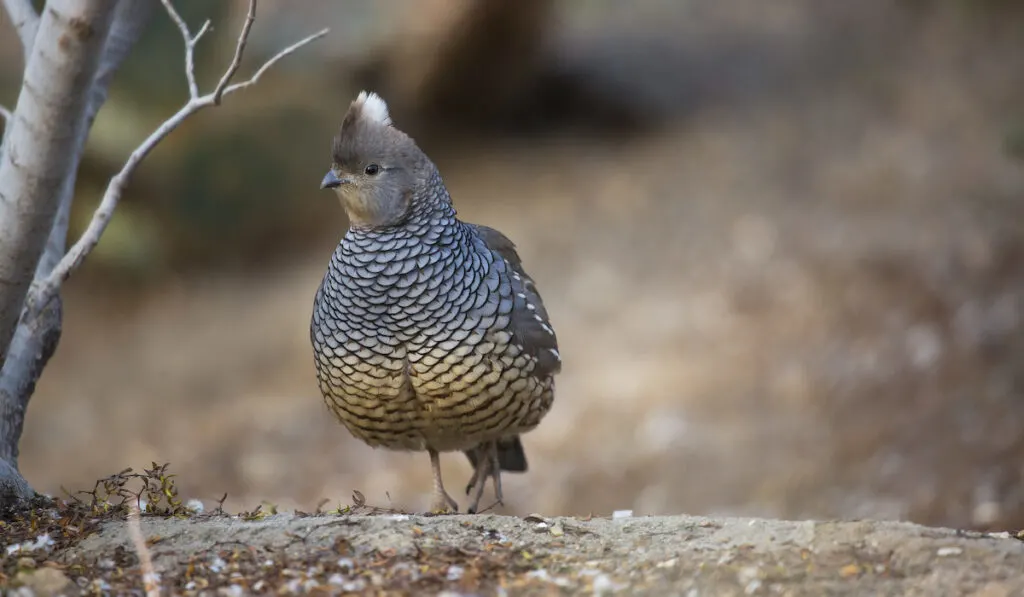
529 320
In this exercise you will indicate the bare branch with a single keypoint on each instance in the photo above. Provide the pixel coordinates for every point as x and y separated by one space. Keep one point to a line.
269 63
218 92
46 289
180 22
202 31
25 21
190 45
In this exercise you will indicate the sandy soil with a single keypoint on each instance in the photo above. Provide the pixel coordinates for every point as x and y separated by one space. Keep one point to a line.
487 554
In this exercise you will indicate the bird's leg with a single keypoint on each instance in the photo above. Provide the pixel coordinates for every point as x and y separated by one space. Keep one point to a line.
477 468
479 481
442 501
495 474
487 466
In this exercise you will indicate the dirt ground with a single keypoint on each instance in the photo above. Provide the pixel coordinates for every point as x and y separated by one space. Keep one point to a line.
502 555
799 297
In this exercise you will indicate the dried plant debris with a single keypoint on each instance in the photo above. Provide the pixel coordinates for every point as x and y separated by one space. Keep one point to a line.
34 535
90 543
37 540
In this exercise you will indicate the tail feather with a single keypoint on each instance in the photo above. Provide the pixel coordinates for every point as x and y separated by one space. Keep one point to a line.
511 456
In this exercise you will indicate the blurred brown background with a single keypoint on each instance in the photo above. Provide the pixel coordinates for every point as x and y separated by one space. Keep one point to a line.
781 242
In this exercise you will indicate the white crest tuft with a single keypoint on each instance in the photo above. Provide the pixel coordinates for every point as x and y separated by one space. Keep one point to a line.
374 107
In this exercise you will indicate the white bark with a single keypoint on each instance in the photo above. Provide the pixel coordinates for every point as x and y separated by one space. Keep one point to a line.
36 337
37 157
37 174
25 21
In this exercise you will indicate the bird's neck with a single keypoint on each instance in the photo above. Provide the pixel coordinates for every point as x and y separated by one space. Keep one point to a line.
432 222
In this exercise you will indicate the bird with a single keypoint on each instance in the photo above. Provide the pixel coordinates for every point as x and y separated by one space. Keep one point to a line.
427 332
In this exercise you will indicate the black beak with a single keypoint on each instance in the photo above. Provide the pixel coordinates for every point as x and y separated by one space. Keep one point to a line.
331 181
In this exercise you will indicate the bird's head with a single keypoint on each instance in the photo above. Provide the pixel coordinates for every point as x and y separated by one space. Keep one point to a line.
375 167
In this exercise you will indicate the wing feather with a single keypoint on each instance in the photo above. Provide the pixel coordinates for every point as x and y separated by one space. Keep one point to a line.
529 322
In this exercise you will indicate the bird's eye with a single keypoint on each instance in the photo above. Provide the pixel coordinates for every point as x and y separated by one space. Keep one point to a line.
372 169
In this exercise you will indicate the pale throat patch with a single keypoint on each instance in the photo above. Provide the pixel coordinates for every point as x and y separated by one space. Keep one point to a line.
374 107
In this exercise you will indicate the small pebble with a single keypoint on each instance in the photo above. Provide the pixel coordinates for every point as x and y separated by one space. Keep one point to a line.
748 574
43 542
621 514
603 584
454 572
949 551
105 564
354 585
44 581
98 586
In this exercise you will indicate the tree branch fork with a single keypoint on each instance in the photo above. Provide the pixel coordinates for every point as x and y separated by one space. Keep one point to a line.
44 290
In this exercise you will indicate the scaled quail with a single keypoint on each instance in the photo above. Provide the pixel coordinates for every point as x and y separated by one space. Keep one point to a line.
427 333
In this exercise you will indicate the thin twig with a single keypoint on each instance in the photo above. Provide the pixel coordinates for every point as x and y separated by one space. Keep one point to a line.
190 45
202 31
218 92
25 21
44 290
269 63
150 578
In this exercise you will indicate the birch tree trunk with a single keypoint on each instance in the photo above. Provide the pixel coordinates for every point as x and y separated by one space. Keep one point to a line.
47 121
65 84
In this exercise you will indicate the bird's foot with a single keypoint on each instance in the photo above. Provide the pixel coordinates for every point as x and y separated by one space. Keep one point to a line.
487 467
444 504
489 508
